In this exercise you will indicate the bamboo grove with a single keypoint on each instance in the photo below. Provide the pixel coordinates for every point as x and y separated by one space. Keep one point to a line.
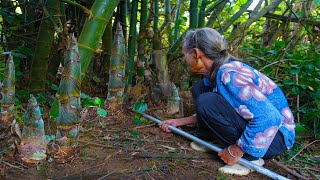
122 46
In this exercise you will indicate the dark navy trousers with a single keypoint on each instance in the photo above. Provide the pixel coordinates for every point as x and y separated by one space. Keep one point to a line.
218 118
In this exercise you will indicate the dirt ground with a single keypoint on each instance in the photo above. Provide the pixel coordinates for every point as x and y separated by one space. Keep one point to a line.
114 148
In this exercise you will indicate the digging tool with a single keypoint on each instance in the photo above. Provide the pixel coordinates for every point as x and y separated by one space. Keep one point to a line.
242 161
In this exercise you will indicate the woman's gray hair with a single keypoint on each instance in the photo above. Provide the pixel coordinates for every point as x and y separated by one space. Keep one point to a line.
212 44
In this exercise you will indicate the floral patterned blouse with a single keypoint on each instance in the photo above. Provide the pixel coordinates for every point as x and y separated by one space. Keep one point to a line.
259 101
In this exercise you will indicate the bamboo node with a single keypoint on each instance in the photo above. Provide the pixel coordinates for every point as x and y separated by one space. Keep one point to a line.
86 47
100 19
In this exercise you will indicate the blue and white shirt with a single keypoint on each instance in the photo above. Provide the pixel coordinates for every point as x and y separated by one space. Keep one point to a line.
258 100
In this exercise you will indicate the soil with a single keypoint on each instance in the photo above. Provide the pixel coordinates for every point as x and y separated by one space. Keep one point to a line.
114 148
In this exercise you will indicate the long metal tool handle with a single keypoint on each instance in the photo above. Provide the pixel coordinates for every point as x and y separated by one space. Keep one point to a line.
242 161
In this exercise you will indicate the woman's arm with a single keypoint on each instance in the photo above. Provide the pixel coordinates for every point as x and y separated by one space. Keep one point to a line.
177 122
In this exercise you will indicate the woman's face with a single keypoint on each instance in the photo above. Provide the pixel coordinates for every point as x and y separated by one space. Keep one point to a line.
190 58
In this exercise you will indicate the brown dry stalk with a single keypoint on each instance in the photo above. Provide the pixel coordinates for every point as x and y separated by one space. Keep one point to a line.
293 172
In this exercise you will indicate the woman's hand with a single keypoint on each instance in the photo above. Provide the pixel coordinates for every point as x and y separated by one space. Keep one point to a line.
164 125
228 158
177 122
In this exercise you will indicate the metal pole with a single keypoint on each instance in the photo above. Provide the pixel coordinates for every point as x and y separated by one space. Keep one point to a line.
242 161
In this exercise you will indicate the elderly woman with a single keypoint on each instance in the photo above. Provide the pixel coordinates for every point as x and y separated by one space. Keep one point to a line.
238 105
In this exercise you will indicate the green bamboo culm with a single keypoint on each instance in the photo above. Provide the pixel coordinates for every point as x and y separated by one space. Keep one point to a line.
132 41
93 29
202 15
32 148
117 79
107 47
167 20
176 27
123 17
8 92
69 104
193 14
39 66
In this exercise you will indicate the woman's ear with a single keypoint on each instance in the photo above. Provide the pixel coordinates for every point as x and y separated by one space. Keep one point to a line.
197 53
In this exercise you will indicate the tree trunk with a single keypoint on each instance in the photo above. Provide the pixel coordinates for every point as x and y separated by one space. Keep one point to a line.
93 29
39 66
132 42
117 82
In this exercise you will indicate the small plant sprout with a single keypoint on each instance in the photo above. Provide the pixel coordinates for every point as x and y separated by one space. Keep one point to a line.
32 148
89 102
139 107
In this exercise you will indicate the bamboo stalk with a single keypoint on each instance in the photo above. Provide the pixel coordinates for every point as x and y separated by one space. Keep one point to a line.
202 15
39 66
107 48
132 42
123 18
238 33
216 10
176 18
93 29
228 23
142 39
193 10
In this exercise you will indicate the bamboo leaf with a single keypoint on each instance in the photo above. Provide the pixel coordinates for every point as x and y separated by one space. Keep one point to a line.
299 128
97 101
54 87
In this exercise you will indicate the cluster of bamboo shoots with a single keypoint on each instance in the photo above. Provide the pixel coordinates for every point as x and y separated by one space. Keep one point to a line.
33 143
